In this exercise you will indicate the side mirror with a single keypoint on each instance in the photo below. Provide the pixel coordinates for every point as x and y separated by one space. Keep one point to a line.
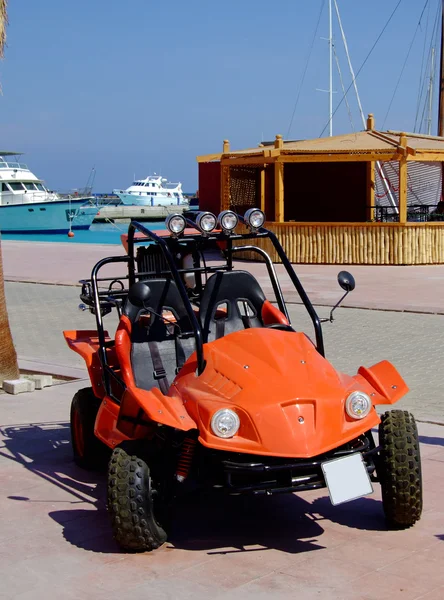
346 281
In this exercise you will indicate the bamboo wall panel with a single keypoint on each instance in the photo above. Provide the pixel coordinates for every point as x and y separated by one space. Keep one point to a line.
357 243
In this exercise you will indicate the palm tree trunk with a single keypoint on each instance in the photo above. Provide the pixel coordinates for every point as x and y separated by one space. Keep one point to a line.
3 23
8 356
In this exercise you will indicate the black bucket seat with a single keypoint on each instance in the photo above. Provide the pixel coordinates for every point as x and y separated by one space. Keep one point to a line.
231 301
159 347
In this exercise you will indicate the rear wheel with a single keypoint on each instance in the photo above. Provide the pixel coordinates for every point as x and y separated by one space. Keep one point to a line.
134 502
400 468
89 452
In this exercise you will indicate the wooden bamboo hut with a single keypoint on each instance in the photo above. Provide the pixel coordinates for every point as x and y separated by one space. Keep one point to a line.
364 198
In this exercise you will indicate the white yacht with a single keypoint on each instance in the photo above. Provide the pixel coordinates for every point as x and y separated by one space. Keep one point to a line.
27 206
152 191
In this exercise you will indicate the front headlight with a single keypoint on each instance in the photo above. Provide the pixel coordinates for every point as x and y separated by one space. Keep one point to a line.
254 218
358 405
228 220
225 423
175 224
206 222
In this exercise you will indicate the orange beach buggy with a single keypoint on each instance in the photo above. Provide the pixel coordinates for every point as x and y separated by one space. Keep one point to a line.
206 380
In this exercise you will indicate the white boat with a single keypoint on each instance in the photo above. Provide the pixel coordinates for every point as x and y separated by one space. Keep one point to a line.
27 206
152 191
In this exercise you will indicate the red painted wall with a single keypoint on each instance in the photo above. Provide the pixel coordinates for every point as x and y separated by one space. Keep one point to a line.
329 192
209 187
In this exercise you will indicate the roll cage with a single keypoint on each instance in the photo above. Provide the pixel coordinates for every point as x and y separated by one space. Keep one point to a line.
101 301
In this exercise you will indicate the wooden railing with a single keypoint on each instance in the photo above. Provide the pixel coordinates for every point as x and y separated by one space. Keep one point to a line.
358 243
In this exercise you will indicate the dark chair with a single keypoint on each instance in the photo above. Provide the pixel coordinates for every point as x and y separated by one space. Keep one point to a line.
231 301
159 347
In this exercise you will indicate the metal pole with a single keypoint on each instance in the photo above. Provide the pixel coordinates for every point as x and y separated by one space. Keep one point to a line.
330 39
432 77
441 79
352 73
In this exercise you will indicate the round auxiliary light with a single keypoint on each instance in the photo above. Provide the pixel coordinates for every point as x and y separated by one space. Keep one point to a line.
225 423
228 220
206 222
358 405
175 224
254 218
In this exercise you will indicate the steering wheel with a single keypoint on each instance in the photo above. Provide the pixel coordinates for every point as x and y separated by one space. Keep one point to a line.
280 326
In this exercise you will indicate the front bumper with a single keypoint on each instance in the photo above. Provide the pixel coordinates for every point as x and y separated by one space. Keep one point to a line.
248 474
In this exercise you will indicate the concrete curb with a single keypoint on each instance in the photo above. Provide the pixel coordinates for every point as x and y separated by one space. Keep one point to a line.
34 365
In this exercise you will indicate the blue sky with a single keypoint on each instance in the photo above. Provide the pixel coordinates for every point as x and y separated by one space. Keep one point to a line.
145 86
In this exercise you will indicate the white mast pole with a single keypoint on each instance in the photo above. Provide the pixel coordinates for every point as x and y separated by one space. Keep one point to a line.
350 65
352 73
330 39
432 77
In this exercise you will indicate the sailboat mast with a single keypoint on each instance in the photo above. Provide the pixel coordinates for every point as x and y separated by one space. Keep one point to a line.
431 80
441 79
330 39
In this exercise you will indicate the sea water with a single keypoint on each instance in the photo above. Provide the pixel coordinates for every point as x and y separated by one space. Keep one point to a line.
98 233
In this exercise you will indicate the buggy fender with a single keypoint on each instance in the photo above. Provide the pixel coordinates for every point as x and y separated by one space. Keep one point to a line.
164 410
386 381
86 343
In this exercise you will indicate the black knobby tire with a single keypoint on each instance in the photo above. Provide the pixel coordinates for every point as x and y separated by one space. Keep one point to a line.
130 503
400 469
89 452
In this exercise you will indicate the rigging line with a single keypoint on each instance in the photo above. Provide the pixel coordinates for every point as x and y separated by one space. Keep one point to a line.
423 57
424 89
365 60
433 43
426 66
305 69
343 89
404 65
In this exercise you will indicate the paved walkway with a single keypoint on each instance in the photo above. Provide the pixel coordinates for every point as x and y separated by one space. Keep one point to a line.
53 523
56 539
413 342
417 289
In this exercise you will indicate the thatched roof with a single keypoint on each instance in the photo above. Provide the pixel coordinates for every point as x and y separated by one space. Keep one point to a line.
369 143
3 23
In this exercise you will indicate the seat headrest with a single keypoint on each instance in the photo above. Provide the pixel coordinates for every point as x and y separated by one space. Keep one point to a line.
228 287
139 294
157 295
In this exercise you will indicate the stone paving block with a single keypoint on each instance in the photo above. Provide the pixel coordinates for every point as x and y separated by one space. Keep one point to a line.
18 386
41 381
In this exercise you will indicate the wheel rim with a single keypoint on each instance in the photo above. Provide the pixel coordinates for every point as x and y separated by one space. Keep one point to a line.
79 442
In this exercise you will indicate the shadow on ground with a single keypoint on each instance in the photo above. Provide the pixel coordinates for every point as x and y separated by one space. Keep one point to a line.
203 521
45 450
432 440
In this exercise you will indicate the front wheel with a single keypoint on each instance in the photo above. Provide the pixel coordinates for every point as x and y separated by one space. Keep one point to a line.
400 468
132 503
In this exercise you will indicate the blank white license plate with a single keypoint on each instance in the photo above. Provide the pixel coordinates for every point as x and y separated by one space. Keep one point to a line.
346 478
